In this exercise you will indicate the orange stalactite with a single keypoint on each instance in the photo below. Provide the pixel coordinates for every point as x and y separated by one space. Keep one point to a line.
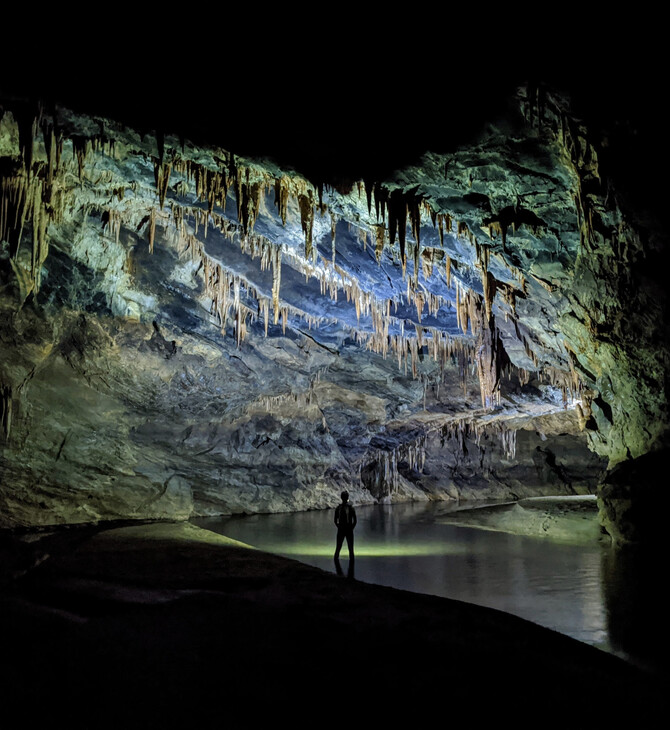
282 197
306 204
162 176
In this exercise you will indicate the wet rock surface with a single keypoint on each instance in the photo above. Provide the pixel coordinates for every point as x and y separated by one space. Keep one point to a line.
566 519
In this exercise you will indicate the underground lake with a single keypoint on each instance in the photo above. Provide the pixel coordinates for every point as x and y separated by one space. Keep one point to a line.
581 588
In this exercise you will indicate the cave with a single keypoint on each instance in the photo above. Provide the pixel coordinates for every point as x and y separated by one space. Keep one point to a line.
241 310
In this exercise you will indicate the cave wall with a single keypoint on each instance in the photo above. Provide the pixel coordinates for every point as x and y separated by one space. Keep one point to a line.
118 419
140 377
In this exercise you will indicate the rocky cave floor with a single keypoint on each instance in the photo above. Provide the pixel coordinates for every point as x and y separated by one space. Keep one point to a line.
160 624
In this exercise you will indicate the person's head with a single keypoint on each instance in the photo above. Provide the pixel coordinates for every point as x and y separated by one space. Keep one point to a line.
345 496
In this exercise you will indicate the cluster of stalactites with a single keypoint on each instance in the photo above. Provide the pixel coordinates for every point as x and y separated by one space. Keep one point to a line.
256 246
226 291
467 303
395 210
333 279
29 196
224 288
32 195
22 203
465 429
250 189
569 382
474 311
211 186
400 208
293 401
383 474
403 208
543 111
407 349
490 355
278 403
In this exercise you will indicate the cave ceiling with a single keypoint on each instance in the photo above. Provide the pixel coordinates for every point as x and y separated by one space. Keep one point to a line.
426 255
477 237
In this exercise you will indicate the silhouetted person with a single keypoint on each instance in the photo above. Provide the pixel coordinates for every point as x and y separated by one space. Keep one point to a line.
345 519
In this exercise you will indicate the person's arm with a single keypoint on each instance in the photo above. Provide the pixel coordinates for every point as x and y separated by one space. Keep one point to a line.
354 519
337 516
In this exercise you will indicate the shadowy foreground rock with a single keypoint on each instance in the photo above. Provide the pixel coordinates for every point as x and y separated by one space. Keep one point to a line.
164 624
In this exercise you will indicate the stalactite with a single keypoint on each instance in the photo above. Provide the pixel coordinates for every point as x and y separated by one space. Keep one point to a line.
276 281
397 212
282 197
444 223
414 214
53 147
306 204
419 303
497 229
489 363
464 299
427 262
40 248
416 255
333 232
112 220
248 195
81 147
162 177
489 285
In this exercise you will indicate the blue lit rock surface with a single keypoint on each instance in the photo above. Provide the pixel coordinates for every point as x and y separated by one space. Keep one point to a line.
188 331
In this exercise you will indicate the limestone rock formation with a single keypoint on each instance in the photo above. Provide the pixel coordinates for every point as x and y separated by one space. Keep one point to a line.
186 330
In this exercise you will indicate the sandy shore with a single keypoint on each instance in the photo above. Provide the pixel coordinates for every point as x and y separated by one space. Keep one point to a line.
159 625
566 519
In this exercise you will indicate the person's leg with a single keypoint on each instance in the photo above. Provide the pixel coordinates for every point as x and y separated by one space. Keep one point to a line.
350 544
338 544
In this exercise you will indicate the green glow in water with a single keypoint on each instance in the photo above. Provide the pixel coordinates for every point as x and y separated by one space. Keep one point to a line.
302 549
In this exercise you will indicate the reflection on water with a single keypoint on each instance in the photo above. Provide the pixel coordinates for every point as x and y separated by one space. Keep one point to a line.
563 587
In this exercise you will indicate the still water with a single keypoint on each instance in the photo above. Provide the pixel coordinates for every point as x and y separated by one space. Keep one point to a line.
406 546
